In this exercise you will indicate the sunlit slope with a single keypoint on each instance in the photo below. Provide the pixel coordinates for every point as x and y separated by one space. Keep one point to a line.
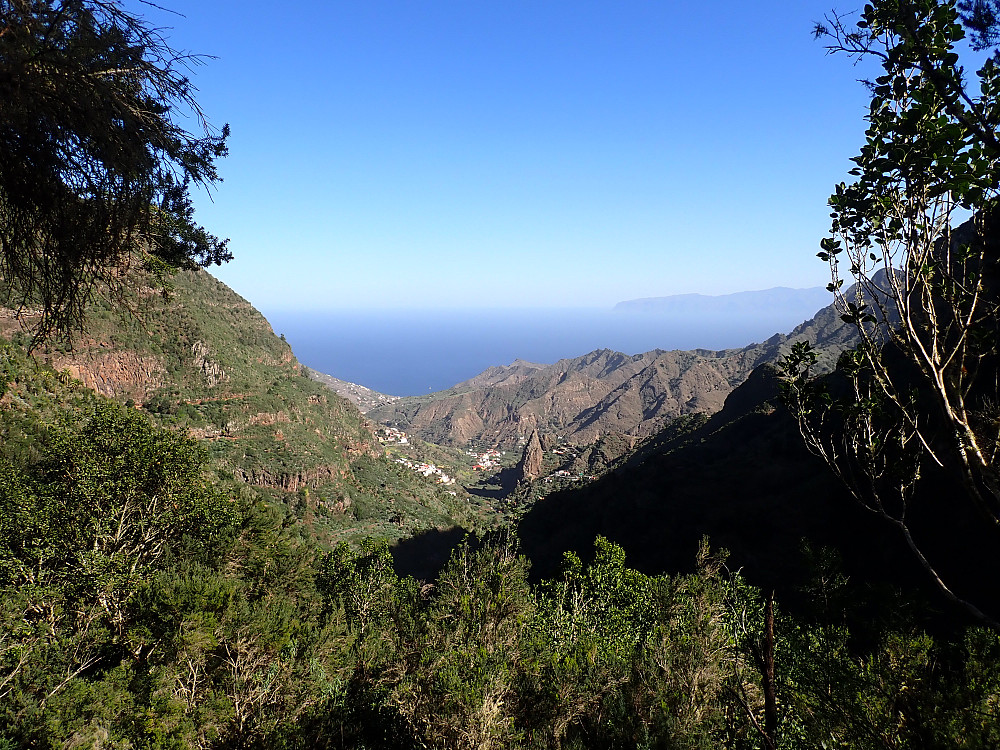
203 360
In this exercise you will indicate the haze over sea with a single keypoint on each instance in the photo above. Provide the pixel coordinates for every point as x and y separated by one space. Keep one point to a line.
412 352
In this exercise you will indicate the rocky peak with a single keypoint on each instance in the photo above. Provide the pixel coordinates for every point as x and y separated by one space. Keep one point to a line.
530 466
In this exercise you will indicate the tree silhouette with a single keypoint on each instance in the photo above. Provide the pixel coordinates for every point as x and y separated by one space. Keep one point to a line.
923 384
95 159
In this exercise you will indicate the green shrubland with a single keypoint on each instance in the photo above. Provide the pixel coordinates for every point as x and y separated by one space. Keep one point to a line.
151 601
217 625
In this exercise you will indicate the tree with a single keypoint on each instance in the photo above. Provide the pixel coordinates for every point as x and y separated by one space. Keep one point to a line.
456 673
922 395
95 160
103 507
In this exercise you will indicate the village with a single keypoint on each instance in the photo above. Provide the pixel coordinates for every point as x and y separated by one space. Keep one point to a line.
486 460
568 476
397 436
391 435
427 470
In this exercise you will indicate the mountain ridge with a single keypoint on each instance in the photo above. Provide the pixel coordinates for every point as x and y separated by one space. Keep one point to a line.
775 300
600 392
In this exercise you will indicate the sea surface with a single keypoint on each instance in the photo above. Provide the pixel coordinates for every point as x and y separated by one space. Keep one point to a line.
413 352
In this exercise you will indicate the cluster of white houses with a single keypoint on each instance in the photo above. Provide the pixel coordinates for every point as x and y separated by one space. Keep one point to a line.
391 435
570 476
489 459
427 470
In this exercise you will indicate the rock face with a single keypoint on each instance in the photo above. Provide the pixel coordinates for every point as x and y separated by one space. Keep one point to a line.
744 479
599 393
213 373
530 466
119 374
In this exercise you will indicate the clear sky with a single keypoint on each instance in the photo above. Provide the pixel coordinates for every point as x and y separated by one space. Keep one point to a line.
428 153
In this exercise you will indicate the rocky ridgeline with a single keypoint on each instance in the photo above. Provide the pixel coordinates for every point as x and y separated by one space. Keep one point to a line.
601 393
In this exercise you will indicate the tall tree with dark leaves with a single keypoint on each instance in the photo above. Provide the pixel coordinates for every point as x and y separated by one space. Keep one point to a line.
96 160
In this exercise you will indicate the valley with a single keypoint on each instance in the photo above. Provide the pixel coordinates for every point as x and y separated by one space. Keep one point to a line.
588 412
206 544
303 508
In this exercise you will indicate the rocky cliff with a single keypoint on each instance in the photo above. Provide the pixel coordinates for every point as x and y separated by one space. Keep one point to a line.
530 466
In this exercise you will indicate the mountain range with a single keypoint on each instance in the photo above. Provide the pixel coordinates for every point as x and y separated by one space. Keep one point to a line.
777 301
201 360
599 393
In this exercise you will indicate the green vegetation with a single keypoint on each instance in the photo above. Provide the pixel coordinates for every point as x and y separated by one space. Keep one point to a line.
202 360
227 630
911 425
203 561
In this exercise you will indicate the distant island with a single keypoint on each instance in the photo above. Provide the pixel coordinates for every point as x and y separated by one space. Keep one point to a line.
779 300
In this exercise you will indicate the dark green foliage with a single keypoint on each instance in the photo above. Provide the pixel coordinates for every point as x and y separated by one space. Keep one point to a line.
909 427
982 18
629 660
100 509
460 654
214 623
606 657
142 602
95 161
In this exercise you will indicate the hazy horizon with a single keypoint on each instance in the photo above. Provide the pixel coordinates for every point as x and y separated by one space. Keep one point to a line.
432 305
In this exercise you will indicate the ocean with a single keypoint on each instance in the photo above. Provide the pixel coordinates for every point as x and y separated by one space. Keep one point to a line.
413 352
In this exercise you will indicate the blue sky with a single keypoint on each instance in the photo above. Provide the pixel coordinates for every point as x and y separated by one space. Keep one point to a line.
438 153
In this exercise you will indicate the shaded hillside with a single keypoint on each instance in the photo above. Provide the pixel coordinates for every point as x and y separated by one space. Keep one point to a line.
205 361
599 393
744 480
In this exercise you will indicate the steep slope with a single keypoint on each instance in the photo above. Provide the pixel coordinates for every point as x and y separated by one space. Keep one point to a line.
203 360
599 393
744 479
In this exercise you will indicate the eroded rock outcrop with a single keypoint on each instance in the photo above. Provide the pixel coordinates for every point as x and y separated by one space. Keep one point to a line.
530 466
213 372
290 481
120 374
